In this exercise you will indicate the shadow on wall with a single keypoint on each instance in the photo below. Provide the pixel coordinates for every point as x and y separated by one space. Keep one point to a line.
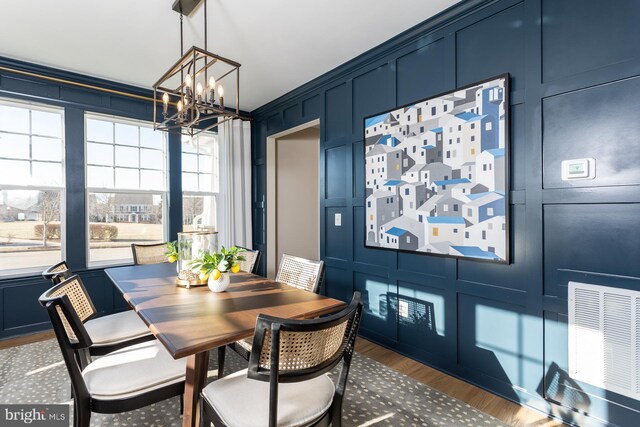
572 403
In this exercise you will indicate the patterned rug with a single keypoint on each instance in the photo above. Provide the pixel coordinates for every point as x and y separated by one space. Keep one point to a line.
376 395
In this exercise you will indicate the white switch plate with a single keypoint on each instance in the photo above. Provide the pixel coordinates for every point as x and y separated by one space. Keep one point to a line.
578 169
338 220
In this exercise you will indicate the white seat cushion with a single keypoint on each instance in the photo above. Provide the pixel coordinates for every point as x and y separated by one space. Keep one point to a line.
243 402
133 370
116 328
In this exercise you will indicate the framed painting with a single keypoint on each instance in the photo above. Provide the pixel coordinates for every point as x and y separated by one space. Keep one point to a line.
437 174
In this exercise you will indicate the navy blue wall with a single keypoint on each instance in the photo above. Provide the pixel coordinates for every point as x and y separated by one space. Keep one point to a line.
575 68
20 312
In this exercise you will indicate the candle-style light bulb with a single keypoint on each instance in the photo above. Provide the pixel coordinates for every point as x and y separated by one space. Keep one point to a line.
212 89
188 81
221 95
199 90
165 102
179 106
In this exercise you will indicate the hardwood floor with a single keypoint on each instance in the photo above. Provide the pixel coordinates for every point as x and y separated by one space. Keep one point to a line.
504 410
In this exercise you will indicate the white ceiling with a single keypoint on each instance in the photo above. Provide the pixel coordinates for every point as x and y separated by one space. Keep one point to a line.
281 44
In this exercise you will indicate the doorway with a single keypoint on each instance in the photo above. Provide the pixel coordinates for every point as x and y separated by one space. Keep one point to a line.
293 194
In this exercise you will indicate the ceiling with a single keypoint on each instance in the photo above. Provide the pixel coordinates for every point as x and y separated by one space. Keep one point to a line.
281 44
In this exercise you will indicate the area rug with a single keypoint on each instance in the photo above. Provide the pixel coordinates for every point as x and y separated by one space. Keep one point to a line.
376 395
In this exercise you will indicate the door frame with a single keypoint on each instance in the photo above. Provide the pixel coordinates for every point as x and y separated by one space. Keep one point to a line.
272 208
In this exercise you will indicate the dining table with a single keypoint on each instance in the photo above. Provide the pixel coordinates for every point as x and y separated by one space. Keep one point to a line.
190 322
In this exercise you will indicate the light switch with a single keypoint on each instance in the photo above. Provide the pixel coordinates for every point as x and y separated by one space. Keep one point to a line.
338 220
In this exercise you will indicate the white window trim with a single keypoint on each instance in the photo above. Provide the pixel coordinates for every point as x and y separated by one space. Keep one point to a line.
211 193
28 271
164 193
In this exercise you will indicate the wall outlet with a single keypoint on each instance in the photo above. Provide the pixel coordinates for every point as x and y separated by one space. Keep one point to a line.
338 220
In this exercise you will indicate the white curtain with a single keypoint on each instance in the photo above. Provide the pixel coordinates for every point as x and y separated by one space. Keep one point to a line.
234 202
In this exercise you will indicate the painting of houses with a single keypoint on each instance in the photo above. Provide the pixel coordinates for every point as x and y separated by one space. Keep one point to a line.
436 174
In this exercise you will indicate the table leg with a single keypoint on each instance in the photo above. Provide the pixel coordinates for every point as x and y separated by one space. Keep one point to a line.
197 367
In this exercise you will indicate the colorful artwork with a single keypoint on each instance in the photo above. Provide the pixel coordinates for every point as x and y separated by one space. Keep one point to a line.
436 174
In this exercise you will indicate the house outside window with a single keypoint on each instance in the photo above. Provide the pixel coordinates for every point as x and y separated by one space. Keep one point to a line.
31 187
126 187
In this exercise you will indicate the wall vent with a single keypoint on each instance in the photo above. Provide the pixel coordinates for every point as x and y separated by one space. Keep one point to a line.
604 337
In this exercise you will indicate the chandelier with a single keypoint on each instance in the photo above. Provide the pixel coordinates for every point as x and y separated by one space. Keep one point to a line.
190 97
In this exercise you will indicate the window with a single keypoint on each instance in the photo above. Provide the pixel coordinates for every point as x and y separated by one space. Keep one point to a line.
408 239
473 125
433 111
484 235
200 181
31 187
126 186
488 126
490 211
435 231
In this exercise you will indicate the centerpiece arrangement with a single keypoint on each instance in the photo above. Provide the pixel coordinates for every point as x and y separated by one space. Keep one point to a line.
216 266
207 266
189 246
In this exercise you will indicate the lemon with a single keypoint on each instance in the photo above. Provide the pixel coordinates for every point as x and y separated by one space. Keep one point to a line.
173 258
235 268
216 274
203 276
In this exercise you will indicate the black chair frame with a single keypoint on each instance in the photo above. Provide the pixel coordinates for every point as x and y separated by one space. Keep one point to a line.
83 403
57 278
273 375
243 352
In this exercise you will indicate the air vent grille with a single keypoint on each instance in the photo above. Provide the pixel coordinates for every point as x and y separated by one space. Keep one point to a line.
604 337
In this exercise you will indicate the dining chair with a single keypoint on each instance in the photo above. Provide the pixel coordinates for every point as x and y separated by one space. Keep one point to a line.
301 273
294 271
251 260
127 379
57 272
108 333
149 253
286 381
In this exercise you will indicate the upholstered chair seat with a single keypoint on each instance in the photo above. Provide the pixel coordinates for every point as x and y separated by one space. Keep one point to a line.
133 370
116 328
299 404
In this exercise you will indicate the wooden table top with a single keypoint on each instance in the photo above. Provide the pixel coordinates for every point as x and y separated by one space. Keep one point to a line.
189 321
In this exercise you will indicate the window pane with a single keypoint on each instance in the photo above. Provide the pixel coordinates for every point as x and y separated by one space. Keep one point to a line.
190 162
46 149
126 134
205 163
127 156
25 242
189 182
151 180
14 146
45 123
151 159
189 145
205 182
14 171
198 210
99 177
47 174
99 154
127 178
13 119
117 220
150 138
99 131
